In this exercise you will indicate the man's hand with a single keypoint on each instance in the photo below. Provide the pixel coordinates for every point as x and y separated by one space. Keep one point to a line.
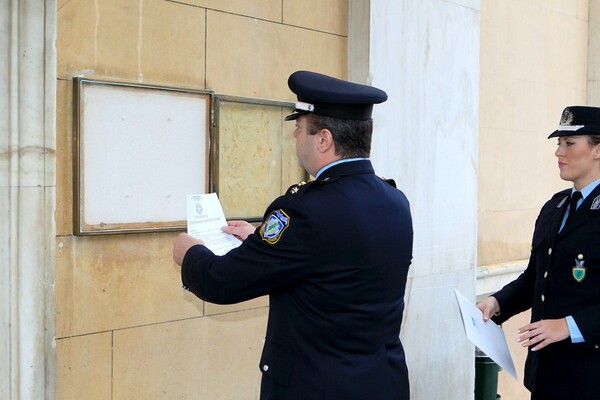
182 245
540 334
239 229
489 307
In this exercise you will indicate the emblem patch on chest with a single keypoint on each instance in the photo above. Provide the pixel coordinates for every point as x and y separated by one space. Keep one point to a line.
272 229
579 270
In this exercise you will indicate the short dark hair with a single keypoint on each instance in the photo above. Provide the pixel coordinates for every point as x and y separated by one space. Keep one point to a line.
352 138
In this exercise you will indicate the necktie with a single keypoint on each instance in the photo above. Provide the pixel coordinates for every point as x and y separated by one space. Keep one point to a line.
573 204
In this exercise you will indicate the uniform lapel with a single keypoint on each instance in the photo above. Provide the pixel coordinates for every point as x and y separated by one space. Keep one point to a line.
583 213
558 216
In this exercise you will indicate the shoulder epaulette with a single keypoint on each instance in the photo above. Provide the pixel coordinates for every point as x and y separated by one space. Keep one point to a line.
391 182
300 186
303 186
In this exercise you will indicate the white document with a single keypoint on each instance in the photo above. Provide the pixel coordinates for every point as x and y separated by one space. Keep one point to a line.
487 336
205 218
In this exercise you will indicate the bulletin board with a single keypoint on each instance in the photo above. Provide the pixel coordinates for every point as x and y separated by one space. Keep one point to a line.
255 154
139 150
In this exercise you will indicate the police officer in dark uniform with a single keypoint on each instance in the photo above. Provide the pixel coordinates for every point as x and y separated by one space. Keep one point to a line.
332 254
561 283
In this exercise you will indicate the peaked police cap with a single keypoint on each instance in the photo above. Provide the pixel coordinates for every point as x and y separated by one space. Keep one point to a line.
578 120
332 97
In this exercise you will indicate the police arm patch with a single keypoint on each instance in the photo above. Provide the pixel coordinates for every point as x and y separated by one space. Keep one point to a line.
272 229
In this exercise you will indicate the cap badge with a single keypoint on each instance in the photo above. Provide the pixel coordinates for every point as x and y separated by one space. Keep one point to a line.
566 121
567 117
579 271
595 204
274 226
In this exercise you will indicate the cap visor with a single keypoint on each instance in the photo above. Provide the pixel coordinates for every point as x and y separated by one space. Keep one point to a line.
295 114
556 133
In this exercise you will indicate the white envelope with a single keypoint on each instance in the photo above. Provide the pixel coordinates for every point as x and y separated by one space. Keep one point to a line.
487 336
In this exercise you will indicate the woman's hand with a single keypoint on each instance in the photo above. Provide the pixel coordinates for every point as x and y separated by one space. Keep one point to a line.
489 307
540 334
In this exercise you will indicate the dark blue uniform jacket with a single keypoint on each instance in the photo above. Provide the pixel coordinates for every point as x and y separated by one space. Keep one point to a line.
548 286
333 255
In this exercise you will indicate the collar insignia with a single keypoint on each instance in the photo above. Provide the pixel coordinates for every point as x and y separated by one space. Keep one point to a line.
595 204
562 202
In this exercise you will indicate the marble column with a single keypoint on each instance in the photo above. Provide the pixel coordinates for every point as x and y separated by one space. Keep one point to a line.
425 54
27 198
593 75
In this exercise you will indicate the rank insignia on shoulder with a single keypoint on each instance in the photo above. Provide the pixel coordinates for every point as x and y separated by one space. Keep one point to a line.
579 271
274 226
296 188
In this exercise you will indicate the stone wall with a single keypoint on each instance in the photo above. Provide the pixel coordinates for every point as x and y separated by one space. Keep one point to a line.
124 327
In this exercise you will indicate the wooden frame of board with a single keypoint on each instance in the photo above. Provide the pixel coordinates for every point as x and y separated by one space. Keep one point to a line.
138 150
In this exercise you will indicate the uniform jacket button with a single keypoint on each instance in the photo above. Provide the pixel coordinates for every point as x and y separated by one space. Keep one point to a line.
546 274
543 298
550 250
265 367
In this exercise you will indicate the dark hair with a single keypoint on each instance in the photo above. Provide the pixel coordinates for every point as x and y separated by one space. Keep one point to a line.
352 138
593 139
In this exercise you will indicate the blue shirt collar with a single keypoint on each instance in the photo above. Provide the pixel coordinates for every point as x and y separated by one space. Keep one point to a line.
587 189
343 160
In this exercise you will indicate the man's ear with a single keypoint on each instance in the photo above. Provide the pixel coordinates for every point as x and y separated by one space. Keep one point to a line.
324 140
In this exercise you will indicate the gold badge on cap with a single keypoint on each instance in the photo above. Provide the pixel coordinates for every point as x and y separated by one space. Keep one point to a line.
579 270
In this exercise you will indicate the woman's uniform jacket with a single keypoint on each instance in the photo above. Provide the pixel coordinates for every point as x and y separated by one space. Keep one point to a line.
333 255
554 286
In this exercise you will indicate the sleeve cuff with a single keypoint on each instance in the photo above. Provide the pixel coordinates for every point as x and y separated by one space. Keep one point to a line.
574 332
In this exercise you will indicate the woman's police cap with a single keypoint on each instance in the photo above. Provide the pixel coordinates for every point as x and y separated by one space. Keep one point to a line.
578 120
332 97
